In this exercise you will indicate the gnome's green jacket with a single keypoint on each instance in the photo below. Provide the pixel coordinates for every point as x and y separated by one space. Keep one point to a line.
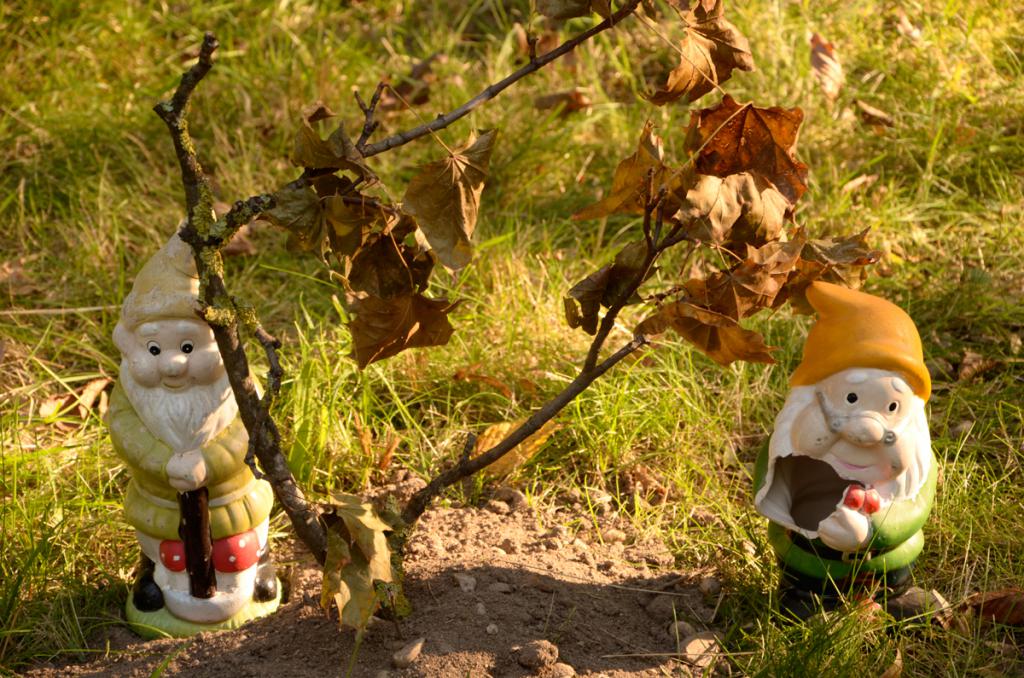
238 502
896 536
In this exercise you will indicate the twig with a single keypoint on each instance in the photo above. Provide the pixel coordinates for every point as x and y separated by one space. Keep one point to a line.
494 90
370 125
204 235
467 467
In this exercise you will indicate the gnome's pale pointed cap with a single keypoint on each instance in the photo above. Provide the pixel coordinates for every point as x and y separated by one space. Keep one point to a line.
166 287
855 329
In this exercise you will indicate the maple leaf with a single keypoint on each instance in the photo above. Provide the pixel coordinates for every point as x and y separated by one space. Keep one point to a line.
751 285
604 287
630 180
1005 606
388 269
382 328
835 260
710 49
349 220
744 138
827 69
336 152
357 559
298 211
719 337
742 202
444 198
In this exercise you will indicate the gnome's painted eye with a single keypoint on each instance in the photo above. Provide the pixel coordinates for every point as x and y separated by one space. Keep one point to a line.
153 348
893 406
851 397
186 347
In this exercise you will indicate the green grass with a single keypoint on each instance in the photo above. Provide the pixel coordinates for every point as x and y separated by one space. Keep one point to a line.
89 188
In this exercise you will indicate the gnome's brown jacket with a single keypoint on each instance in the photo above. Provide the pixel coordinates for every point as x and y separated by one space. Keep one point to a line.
238 502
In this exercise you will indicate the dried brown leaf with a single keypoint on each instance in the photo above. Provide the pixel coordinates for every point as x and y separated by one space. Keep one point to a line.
630 180
473 374
411 90
604 287
336 152
382 328
828 71
298 211
444 198
388 269
973 365
835 260
743 202
719 337
710 49
90 393
737 138
1005 606
875 117
750 286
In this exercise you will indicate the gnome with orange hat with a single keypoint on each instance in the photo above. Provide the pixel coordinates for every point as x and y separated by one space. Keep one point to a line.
174 421
848 477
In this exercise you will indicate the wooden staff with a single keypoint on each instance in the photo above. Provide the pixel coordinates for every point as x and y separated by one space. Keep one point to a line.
194 531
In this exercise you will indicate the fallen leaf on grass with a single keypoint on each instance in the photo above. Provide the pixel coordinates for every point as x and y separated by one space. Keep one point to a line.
1005 606
569 101
735 138
875 117
411 90
444 198
827 69
90 393
974 365
472 374
894 670
710 49
14 278
519 454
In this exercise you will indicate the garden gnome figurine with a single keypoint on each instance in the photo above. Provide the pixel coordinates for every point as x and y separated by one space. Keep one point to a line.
199 513
848 477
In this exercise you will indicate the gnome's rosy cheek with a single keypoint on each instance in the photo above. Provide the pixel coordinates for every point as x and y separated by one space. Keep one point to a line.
205 365
144 369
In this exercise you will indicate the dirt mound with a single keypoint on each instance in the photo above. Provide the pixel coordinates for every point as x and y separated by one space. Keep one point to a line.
489 586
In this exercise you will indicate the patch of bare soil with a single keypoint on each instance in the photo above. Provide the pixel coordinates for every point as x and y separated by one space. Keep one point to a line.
502 590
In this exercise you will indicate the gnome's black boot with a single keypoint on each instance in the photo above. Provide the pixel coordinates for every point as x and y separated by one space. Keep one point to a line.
266 579
146 595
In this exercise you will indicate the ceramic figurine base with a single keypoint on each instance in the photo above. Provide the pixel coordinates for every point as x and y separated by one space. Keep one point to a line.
163 624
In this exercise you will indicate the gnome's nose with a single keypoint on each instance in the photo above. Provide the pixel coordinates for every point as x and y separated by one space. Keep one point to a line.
173 366
863 430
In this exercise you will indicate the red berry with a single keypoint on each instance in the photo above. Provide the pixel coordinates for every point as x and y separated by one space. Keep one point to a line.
872 502
854 497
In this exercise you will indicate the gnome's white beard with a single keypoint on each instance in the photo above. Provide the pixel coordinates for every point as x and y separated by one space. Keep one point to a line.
773 499
184 420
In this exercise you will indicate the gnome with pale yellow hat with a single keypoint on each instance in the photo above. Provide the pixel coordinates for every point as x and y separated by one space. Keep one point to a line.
848 477
174 421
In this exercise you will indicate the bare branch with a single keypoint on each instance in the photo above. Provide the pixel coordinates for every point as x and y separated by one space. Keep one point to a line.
467 467
370 126
204 236
494 90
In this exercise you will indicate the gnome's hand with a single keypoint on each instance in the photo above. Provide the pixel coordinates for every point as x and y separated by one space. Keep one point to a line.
845 530
186 471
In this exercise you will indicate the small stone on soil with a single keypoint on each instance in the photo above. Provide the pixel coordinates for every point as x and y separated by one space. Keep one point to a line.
492 629
499 507
710 586
481 610
701 649
499 587
561 670
467 582
408 654
537 654
664 608
680 630
613 536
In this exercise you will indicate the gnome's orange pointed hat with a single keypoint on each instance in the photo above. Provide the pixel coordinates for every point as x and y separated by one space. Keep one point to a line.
855 329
